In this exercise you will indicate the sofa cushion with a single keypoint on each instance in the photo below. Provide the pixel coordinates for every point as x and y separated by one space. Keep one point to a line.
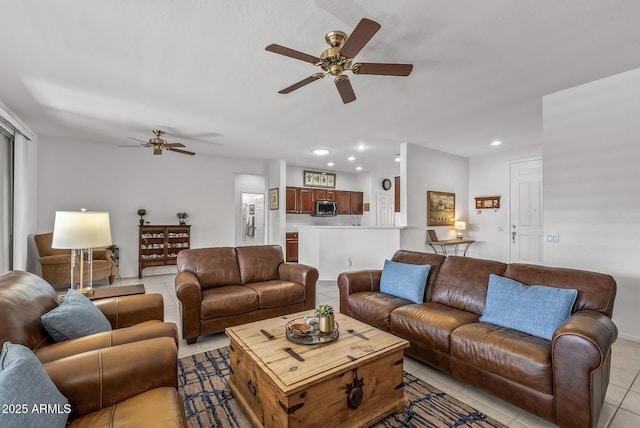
534 309
429 323
272 294
229 300
508 353
214 267
76 317
462 282
404 280
259 262
373 307
25 386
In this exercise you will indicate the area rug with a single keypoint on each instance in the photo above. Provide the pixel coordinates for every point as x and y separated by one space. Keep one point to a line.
209 403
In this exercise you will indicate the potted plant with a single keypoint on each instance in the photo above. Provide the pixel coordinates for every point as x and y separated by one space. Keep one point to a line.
115 253
325 318
182 217
142 212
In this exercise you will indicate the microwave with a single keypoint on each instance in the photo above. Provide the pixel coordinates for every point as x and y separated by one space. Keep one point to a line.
325 209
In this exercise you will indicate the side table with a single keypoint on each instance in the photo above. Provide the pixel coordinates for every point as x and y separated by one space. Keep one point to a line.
440 247
112 291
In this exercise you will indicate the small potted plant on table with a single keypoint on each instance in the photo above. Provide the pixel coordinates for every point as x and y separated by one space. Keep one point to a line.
325 318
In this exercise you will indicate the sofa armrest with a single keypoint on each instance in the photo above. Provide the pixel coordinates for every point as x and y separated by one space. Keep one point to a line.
107 339
581 359
125 311
357 282
302 274
94 380
55 259
189 295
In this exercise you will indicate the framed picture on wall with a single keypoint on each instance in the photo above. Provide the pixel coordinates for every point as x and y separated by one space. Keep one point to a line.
441 208
274 200
319 179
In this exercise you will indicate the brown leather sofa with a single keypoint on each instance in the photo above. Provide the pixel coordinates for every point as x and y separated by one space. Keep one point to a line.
56 263
24 297
563 380
225 286
124 377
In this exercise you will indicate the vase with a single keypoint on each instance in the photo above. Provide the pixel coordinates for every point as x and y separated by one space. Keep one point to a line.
326 324
141 221
182 221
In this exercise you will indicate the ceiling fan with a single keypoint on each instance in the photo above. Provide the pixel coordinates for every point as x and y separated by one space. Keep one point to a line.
159 144
339 58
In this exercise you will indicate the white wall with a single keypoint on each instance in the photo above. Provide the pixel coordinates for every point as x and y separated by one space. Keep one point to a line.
428 169
489 175
592 185
74 175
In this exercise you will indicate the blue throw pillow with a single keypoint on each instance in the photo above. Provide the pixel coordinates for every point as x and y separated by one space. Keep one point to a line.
534 309
28 396
404 280
75 317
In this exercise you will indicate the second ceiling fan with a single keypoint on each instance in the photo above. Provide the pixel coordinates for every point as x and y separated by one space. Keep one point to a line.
339 58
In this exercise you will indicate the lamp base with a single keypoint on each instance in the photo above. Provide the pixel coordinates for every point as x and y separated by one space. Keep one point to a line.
83 291
459 236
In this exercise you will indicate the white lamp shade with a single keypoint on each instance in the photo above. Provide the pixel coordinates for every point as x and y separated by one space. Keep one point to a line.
460 225
78 229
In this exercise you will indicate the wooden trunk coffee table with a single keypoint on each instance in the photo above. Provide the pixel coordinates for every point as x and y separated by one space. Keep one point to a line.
353 381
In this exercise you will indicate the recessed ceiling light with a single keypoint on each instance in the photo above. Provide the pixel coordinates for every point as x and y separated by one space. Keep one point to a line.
321 152
496 143
397 158
360 147
351 158
330 164
359 168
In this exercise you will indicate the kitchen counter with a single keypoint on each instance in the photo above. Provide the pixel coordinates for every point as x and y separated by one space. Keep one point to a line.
336 249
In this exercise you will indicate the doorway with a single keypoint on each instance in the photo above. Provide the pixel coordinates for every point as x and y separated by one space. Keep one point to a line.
385 210
525 237
252 230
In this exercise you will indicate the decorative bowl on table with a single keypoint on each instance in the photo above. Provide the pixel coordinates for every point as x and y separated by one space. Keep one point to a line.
305 331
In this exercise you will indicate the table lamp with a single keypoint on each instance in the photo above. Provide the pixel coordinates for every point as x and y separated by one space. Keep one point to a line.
81 232
459 226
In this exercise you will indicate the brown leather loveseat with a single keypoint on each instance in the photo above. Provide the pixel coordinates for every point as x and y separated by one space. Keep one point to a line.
225 286
123 377
563 380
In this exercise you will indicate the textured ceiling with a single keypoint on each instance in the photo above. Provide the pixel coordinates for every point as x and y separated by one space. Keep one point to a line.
92 71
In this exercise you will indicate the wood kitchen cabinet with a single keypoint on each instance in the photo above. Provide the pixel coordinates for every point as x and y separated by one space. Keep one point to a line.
350 202
159 245
300 200
292 247
325 195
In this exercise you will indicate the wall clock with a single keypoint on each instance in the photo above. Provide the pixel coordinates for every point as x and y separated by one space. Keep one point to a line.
386 184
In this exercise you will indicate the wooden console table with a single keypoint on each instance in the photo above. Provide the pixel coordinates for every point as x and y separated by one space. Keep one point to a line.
455 246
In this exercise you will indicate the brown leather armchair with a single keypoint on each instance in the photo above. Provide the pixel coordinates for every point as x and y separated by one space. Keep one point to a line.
25 297
56 263
134 384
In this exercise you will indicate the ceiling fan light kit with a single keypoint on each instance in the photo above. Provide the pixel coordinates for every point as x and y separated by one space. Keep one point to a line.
159 144
338 58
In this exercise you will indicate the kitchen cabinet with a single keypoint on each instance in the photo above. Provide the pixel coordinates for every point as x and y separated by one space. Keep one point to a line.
292 247
350 202
300 200
159 245
325 195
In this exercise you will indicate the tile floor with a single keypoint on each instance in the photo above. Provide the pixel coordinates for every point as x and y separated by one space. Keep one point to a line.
622 402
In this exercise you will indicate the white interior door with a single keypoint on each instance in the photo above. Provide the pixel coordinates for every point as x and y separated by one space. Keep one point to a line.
384 210
526 212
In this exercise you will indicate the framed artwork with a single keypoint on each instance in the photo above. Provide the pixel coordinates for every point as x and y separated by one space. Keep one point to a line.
431 235
252 209
274 200
319 179
441 208
485 202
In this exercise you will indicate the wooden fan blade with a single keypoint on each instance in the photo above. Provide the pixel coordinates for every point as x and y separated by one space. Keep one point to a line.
157 151
185 152
293 53
175 145
382 69
301 83
345 89
359 37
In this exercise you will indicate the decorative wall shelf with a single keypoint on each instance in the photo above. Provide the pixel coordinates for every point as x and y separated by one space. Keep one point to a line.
487 202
